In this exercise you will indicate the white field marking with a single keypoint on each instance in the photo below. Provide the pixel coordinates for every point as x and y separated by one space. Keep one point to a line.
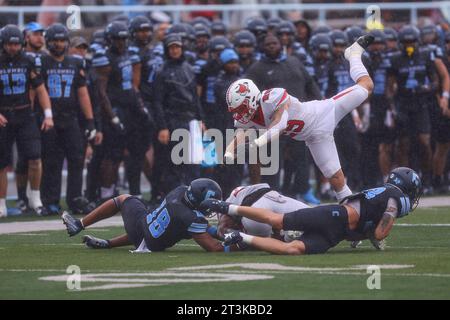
400 247
114 286
422 225
133 280
30 234
219 273
279 267
51 225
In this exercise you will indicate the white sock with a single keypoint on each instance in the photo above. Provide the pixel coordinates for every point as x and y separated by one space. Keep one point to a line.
357 68
345 192
3 209
106 192
247 239
35 199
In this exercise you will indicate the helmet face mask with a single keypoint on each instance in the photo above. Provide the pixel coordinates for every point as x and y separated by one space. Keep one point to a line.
243 113
200 190
243 100
54 36
409 182
58 47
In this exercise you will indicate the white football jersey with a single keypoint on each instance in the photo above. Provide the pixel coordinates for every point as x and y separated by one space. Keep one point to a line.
272 201
304 117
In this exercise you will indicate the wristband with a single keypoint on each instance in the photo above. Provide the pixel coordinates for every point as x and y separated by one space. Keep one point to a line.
226 248
446 94
48 113
233 210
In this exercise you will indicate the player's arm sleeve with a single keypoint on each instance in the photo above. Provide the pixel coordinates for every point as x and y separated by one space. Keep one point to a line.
36 78
198 225
158 106
134 56
100 59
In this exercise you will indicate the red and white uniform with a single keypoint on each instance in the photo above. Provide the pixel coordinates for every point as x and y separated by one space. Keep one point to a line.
272 201
312 121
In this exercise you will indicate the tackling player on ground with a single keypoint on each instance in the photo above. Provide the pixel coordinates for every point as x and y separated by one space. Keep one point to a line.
312 121
148 230
369 214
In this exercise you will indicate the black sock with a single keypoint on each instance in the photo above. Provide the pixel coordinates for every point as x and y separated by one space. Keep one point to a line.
22 193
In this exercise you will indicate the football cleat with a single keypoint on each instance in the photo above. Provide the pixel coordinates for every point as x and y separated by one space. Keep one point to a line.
41 211
22 205
310 197
355 244
53 209
365 41
358 47
73 225
96 243
378 244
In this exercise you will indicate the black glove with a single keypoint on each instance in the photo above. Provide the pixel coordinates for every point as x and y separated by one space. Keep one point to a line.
209 206
90 131
232 238
235 238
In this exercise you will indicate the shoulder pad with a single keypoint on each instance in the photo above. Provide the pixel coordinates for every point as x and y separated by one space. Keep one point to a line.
133 49
100 59
274 97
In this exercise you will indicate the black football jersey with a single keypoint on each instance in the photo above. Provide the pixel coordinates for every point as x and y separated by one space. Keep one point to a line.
374 204
150 65
413 73
120 82
173 221
62 80
15 79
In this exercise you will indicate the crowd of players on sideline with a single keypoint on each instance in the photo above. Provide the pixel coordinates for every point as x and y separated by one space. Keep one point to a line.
118 97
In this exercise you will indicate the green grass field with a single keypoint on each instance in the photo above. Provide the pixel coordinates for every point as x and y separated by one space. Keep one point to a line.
33 266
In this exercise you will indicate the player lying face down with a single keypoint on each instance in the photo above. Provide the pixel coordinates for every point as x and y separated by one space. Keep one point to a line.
257 196
369 214
177 218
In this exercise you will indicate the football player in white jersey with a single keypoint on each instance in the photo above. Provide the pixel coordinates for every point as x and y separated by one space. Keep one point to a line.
257 196
312 121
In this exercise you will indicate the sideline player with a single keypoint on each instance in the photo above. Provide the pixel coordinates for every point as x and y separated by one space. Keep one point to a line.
312 121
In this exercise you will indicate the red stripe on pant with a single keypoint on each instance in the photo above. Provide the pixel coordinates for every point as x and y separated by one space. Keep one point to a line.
342 94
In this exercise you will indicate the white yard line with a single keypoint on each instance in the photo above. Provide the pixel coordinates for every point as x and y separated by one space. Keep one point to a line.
51 225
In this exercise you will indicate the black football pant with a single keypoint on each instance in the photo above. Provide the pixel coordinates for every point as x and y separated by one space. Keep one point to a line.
59 143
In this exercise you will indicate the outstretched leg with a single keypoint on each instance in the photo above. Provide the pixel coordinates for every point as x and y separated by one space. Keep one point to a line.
106 210
351 98
345 102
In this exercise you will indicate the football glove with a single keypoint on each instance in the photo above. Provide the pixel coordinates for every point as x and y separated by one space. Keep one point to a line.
210 206
90 131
